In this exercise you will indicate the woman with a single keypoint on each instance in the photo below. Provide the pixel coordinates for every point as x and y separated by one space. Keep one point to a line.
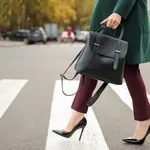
134 16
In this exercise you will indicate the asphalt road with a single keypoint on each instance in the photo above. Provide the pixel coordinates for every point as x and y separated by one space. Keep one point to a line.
24 125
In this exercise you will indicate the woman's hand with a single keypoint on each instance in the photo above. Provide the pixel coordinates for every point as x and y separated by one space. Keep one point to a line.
113 21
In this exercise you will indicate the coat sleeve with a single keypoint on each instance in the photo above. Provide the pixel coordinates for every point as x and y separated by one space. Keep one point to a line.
123 7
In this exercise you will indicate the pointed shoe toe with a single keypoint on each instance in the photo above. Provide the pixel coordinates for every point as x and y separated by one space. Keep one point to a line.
57 131
62 133
130 140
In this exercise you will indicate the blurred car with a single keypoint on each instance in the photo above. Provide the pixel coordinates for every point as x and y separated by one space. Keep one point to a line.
52 32
37 35
6 35
19 35
64 37
82 36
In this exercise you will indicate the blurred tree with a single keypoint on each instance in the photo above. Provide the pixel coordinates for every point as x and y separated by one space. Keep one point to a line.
30 13
4 11
83 11
62 12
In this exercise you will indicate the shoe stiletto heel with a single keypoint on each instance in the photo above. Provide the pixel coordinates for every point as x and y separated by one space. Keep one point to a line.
81 133
81 125
135 141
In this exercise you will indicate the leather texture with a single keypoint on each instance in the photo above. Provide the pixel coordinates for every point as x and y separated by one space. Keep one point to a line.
103 58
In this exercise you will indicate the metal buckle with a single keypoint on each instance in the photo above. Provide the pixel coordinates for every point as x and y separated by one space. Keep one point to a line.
117 51
96 44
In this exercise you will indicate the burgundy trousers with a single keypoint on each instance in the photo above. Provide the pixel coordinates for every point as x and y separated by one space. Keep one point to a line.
135 86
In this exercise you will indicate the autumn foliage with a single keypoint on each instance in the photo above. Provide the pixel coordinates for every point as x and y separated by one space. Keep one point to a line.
30 13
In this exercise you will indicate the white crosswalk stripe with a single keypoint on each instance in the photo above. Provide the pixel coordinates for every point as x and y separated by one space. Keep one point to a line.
9 89
62 108
123 93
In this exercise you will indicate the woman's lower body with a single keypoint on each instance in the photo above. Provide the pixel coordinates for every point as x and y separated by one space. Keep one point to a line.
136 87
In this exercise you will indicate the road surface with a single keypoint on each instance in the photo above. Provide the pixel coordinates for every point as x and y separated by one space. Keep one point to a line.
31 103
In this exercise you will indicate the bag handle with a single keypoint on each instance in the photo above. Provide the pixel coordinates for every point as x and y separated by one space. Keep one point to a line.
101 29
77 90
69 79
63 75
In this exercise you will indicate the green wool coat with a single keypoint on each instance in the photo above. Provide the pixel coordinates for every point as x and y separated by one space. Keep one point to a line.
136 23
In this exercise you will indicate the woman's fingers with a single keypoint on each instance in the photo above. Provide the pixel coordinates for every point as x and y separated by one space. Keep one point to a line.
113 21
115 26
104 21
110 23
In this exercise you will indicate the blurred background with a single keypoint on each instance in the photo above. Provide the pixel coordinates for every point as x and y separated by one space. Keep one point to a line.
35 21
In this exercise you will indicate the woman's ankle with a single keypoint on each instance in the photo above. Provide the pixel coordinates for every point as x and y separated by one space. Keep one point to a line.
145 122
76 117
77 114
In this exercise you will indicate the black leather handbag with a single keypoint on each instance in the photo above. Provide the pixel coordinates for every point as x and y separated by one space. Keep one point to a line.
102 58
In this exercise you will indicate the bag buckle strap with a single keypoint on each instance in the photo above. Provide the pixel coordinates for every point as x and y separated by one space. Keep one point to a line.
116 61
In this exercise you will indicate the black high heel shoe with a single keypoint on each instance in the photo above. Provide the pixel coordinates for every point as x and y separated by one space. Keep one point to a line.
135 141
81 125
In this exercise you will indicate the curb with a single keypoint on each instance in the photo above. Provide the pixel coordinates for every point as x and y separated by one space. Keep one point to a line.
4 43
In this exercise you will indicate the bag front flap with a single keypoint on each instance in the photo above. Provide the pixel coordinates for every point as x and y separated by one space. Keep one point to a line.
107 46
